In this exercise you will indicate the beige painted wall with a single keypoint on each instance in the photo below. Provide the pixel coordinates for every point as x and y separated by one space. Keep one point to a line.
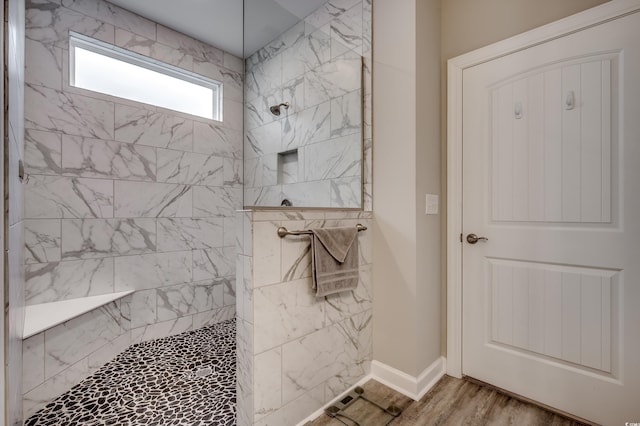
405 166
412 41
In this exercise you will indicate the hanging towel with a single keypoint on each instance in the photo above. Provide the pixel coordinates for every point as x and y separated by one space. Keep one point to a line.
334 260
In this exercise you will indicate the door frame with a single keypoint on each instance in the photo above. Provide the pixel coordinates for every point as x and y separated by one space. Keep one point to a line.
455 67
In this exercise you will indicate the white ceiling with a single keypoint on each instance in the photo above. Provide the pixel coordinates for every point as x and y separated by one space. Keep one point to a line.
220 22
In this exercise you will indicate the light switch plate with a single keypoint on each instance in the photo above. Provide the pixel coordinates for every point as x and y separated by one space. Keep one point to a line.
433 204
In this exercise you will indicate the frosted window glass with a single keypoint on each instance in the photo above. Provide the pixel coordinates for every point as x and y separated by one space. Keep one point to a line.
116 77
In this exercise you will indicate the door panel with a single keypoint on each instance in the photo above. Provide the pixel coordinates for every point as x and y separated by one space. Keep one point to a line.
551 147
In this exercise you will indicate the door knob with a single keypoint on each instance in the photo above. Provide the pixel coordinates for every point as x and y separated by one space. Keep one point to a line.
473 238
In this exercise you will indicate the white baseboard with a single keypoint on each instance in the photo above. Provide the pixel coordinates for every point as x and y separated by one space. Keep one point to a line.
413 387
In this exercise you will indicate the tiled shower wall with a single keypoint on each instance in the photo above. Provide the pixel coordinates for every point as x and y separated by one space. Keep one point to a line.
296 352
15 219
321 66
123 196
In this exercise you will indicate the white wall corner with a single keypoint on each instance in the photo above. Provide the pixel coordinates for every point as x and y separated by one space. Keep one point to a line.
413 387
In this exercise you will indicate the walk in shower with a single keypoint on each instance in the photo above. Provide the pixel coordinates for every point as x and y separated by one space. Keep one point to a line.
139 263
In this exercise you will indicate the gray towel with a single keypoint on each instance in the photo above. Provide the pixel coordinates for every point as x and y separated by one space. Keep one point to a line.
334 260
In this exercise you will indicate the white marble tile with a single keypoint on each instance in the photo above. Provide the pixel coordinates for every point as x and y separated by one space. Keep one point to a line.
247 293
96 238
55 386
143 308
65 197
186 44
32 362
42 240
306 127
297 410
152 270
186 234
217 140
287 215
228 291
42 152
346 114
96 158
335 158
187 299
144 127
347 29
43 64
50 23
189 168
72 114
263 140
204 319
229 231
367 18
293 92
284 312
308 194
211 201
161 329
233 171
213 263
146 199
336 78
52 282
244 384
359 328
109 351
346 192
114 15
263 196
263 78
74 340
267 254
233 115
267 375
151 48
313 359
341 382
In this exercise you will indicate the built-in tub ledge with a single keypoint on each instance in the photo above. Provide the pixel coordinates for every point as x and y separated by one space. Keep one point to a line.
38 318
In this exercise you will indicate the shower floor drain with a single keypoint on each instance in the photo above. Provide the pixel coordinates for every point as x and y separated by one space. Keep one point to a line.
199 373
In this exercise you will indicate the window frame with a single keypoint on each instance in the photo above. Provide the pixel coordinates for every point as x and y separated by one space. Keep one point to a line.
106 49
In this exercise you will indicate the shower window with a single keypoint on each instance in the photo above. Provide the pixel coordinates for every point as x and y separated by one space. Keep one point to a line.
108 69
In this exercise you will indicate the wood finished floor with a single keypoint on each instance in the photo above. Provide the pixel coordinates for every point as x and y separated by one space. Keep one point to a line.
450 402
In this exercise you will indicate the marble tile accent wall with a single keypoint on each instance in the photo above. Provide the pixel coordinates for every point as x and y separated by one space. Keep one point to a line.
14 65
322 67
123 196
296 352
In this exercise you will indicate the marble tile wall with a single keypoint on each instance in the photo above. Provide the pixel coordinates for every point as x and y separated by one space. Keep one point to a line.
123 196
15 220
322 67
296 352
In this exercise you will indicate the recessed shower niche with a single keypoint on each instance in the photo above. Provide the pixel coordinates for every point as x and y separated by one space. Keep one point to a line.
288 168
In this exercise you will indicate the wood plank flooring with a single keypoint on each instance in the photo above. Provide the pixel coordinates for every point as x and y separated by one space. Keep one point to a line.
451 402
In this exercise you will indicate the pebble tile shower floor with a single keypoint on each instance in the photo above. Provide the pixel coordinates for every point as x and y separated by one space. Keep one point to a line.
188 379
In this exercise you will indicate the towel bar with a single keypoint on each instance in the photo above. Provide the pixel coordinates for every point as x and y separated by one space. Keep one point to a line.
283 232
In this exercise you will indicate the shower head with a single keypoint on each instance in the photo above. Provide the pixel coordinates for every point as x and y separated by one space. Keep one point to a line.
275 110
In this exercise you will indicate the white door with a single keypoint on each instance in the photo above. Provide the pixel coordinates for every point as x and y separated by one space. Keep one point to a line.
551 160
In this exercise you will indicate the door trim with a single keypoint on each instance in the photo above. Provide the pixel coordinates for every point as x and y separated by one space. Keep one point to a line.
455 67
